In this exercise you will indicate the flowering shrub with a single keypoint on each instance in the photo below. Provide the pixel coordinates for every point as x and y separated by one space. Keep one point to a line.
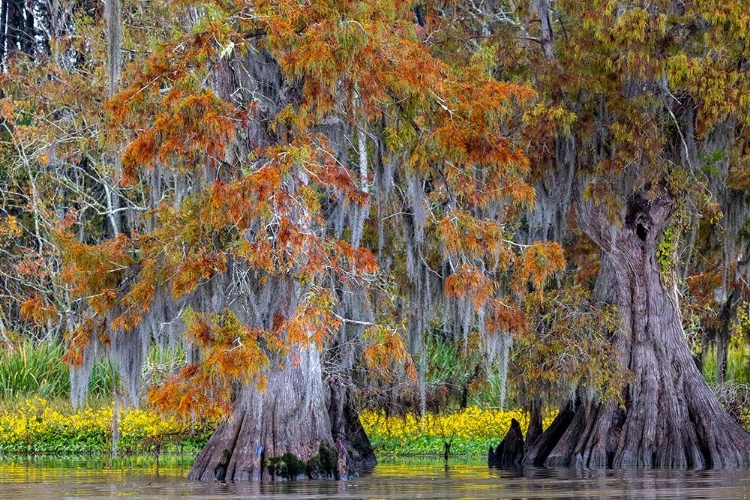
33 426
470 431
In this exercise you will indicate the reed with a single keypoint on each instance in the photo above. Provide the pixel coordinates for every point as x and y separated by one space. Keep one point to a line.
29 369
738 363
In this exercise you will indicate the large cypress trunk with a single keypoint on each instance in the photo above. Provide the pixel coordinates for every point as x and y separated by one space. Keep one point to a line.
284 431
670 416
300 425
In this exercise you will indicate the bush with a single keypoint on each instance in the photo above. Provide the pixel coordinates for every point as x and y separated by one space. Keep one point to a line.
34 426
469 432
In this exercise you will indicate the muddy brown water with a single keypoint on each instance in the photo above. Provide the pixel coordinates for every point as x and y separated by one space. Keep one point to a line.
45 478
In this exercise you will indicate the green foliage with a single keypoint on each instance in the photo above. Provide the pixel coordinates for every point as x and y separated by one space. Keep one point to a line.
322 465
666 252
173 465
568 349
288 466
709 161
742 323
29 369
25 370
432 446
457 373
734 394
453 369
36 426
468 432
738 362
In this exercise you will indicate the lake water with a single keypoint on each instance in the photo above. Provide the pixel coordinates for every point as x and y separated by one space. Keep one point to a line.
395 479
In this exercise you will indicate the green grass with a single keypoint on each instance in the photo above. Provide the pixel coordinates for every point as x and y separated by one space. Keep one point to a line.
431 446
738 363
102 463
27 369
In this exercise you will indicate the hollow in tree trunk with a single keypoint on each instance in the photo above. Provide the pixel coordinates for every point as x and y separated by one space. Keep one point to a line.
670 416
284 432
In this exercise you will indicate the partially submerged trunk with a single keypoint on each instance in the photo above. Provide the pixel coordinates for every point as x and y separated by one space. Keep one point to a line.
534 430
353 447
284 432
300 425
509 452
670 416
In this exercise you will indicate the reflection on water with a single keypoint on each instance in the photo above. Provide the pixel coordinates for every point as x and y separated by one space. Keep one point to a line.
142 477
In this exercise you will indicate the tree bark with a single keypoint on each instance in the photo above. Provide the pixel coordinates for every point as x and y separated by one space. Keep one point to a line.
669 417
351 442
289 416
3 29
510 450
534 430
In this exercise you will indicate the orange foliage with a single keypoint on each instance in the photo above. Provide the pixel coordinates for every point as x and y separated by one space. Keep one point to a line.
264 210
539 263
470 282
386 356
78 339
36 310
